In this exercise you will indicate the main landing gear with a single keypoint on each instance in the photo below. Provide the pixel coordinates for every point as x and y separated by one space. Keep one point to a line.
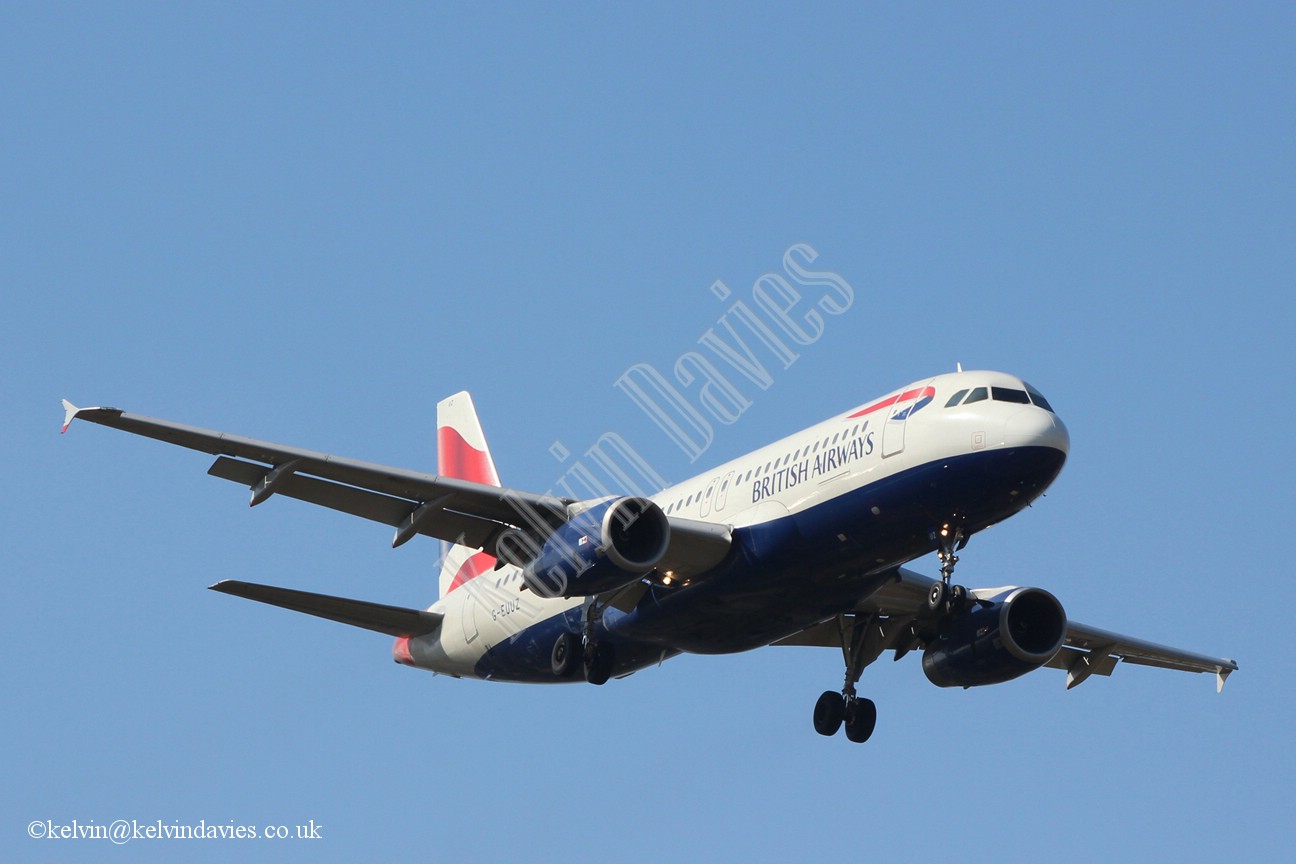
944 598
599 662
833 710
598 656
572 654
577 653
864 637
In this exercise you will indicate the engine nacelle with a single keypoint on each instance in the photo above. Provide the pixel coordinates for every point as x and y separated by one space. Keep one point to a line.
603 547
997 639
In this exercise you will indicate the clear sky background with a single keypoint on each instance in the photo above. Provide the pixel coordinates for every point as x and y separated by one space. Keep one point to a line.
309 222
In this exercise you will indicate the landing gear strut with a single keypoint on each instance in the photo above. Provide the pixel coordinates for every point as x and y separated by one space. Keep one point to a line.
833 710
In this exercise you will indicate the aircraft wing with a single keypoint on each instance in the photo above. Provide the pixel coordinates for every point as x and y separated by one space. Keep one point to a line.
895 614
458 511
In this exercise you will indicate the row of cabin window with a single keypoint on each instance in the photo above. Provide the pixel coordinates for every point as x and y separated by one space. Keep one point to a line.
976 394
759 472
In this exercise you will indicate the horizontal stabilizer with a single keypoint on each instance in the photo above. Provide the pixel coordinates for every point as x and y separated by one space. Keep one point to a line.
392 620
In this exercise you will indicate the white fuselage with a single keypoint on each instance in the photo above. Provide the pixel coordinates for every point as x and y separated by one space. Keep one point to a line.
877 440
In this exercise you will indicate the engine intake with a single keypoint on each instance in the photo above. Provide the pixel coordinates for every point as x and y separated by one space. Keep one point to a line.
997 640
609 544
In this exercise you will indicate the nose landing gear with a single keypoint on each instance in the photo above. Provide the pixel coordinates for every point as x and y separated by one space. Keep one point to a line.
944 598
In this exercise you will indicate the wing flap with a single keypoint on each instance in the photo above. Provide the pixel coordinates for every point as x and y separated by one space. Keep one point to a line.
392 620
348 499
443 524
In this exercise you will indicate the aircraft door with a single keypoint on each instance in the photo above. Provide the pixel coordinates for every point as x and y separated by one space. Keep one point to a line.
468 613
722 495
708 496
893 430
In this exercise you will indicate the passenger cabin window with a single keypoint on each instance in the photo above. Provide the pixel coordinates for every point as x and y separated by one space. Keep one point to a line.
980 394
954 400
1008 394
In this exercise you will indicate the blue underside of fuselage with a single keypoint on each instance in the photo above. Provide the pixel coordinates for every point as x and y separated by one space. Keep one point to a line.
791 573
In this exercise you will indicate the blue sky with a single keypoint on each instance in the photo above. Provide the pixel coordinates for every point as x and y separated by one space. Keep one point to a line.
309 222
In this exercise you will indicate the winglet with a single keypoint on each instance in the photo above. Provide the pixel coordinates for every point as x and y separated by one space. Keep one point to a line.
94 415
1222 675
70 412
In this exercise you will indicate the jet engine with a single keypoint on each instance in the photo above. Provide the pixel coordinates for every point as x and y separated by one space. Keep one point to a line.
997 639
608 544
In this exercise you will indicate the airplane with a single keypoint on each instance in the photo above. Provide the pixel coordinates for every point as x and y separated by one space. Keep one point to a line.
801 542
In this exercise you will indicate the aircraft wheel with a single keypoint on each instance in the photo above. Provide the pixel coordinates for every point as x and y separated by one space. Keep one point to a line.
563 658
861 719
936 597
598 664
829 712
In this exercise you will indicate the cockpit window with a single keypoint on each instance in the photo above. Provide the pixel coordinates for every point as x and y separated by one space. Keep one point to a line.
1038 398
978 395
1008 394
954 400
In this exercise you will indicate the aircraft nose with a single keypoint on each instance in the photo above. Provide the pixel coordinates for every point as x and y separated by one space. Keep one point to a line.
1035 427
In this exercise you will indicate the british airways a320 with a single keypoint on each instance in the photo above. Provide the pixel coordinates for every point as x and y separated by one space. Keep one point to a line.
802 542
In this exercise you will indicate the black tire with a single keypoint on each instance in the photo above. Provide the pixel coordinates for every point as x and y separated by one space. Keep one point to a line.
936 597
565 654
598 664
861 719
829 712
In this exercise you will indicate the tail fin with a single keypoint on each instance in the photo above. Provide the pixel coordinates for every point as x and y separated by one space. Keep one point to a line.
462 453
